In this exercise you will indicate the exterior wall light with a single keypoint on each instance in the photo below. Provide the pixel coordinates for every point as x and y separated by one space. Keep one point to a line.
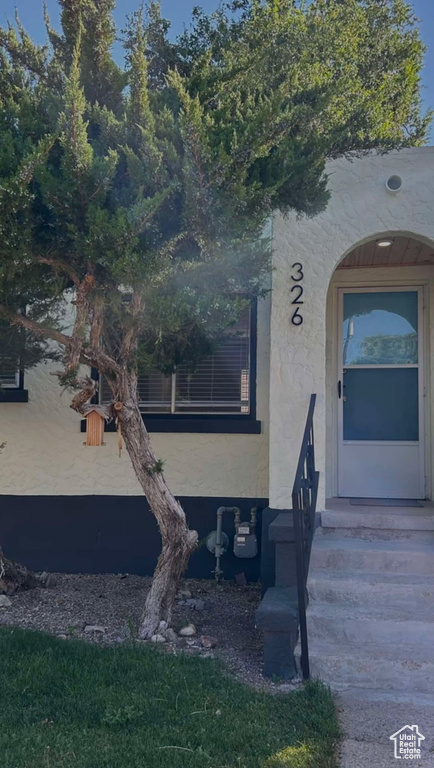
394 184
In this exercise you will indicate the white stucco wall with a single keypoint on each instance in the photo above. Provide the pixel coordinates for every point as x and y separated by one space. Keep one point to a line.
45 454
360 209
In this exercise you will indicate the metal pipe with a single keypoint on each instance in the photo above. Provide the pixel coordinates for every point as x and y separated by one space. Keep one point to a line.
237 512
218 542
253 516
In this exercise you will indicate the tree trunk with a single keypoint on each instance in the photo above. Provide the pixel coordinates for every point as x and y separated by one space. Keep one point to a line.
178 542
16 576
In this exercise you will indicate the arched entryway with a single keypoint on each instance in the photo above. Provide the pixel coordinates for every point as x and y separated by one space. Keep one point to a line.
379 370
338 248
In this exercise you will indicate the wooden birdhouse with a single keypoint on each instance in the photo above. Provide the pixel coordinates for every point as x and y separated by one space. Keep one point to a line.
94 427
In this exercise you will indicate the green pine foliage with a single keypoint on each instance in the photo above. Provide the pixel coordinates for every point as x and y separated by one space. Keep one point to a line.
158 178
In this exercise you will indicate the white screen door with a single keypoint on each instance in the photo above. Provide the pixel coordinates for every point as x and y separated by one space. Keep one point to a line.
380 393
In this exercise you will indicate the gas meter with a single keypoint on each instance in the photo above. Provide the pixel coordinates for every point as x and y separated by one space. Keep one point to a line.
245 541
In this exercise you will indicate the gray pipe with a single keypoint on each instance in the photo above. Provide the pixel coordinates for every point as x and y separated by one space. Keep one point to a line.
218 545
218 542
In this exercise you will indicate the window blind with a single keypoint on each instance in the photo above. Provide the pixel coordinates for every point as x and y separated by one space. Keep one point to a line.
219 384
9 361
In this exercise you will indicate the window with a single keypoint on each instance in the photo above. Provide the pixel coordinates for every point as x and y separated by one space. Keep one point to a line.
221 383
11 375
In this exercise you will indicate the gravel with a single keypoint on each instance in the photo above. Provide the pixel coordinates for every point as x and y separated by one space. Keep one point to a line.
106 608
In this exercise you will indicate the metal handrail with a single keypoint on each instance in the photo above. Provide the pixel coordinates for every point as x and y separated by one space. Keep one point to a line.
304 496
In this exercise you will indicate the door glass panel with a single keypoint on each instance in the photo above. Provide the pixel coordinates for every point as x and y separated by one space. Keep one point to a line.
381 404
380 328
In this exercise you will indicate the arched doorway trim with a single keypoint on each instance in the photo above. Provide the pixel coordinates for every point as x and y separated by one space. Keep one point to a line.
409 283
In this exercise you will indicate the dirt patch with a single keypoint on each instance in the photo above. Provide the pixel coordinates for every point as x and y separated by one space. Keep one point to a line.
113 603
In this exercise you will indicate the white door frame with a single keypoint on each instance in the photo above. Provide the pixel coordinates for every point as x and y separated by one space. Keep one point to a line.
421 379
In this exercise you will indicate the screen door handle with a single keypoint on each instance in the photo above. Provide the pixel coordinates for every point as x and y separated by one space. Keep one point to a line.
339 389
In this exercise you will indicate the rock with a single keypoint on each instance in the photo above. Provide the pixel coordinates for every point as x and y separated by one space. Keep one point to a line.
240 579
93 628
188 631
62 637
158 638
191 642
125 633
5 602
16 575
199 605
3 586
190 602
162 627
181 602
207 641
47 579
171 635
184 594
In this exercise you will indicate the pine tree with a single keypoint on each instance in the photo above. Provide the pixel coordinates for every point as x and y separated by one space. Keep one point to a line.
137 198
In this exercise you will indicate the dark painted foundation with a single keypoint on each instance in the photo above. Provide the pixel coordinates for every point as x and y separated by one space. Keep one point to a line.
113 534
277 615
268 550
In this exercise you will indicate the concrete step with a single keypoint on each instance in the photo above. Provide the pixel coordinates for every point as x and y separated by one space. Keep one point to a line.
337 554
362 698
418 520
383 668
379 525
373 589
379 534
342 624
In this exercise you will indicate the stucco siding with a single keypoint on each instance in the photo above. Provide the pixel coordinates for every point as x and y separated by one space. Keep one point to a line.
360 209
45 454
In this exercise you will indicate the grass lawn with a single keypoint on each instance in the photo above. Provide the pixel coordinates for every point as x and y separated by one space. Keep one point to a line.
69 704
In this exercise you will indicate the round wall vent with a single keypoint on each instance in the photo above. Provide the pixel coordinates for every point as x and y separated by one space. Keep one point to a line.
394 184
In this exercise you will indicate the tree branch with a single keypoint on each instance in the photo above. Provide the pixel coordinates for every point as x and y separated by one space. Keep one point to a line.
78 336
15 318
32 60
89 355
88 388
97 323
98 359
60 265
129 340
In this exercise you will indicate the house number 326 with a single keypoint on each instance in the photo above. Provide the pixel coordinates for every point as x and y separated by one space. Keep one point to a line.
297 289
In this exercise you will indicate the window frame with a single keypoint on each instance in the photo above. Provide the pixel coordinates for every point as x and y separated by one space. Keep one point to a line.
15 393
211 423
18 394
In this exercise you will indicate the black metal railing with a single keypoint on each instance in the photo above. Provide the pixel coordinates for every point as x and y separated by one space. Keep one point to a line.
304 495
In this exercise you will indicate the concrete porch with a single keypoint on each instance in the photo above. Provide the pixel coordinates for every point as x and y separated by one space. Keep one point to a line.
371 598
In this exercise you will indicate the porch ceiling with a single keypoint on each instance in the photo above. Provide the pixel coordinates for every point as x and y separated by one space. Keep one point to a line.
404 251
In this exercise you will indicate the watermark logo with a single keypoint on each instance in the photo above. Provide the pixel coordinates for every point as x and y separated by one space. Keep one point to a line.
407 743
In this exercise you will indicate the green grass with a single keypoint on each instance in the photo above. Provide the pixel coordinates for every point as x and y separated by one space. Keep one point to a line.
68 704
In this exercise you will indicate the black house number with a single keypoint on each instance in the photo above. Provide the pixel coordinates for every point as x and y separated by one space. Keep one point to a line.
297 290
